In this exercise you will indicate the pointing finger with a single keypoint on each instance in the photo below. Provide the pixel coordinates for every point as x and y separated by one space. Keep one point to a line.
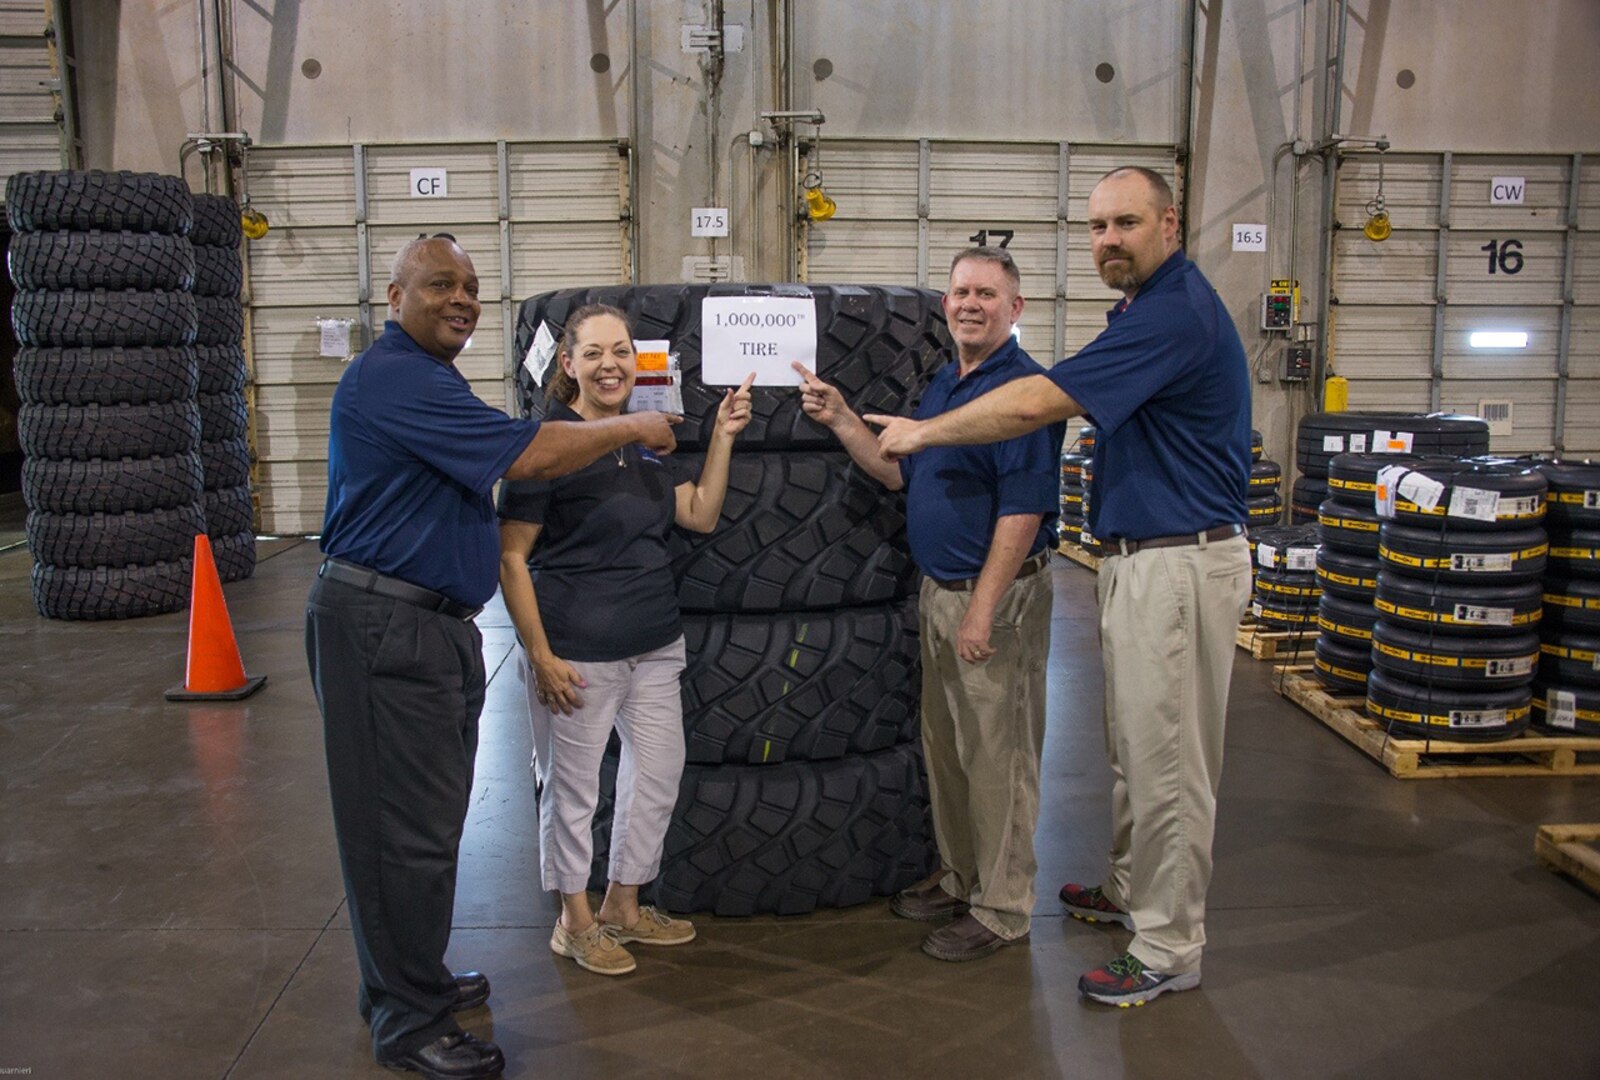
749 381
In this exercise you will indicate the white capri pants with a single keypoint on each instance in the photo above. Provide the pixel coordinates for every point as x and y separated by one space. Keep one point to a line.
640 697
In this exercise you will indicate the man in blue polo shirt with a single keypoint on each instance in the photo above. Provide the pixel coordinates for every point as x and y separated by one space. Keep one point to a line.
981 522
1167 387
413 554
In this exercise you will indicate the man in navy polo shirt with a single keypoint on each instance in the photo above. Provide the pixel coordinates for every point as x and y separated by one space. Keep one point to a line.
981 522
413 553
1167 387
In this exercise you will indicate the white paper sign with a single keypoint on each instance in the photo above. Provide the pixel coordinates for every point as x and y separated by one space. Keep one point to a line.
334 340
1399 442
1507 190
1333 444
1249 238
429 184
708 221
540 352
1422 490
763 334
1358 443
1474 504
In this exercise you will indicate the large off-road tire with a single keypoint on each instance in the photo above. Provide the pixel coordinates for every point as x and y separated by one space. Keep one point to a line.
222 416
82 432
80 201
219 320
111 487
799 532
235 555
65 592
222 368
228 511
762 689
225 464
103 317
54 261
878 344
105 376
216 223
217 272
1440 712
123 540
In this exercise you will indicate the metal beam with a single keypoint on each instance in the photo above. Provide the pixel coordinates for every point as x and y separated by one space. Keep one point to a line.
1564 342
1441 298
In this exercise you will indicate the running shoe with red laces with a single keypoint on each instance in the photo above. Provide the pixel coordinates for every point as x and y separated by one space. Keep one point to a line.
1089 903
1126 981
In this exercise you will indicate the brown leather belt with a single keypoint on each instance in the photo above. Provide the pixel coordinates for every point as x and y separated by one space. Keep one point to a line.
1210 536
1032 565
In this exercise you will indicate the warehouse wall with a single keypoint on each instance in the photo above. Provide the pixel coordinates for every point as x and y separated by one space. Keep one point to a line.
1482 76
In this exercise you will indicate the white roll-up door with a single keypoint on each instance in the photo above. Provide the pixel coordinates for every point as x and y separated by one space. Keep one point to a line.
533 216
1480 243
30 137
906 207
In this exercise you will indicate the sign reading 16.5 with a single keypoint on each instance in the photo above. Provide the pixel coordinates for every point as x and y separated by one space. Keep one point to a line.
1505 256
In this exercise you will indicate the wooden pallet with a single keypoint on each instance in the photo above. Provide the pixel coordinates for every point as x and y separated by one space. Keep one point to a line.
1264 644
1570 850
1436 759
1076 553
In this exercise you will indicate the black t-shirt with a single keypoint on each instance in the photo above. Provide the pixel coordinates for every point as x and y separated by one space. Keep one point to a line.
600 566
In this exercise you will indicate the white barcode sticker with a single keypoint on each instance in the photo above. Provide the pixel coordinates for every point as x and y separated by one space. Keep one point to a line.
1399 442
1482 564
1380 442
1596 664
1302 559
1255 608
1421 489
1333 444
1358 443
1527 506
1486 616
1512 666
1477 718
1266 556
1383 493
1475 504
1562 709
1591 500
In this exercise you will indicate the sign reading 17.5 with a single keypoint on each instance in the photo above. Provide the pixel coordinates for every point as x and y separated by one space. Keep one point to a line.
1505 256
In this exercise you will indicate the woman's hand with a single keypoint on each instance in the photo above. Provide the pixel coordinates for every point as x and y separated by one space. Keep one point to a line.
733 415
557 684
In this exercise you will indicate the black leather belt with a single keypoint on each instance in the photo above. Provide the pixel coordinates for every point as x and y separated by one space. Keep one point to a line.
1032 565
373 582
1211 536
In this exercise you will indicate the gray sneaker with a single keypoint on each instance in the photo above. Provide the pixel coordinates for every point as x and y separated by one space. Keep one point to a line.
595 948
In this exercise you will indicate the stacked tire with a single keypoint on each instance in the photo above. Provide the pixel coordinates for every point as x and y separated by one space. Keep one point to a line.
1461 553
1084 536
224 416
1265 502
1074 497
804 785
1286 589
1321 436
1566 693
1347 569
109 424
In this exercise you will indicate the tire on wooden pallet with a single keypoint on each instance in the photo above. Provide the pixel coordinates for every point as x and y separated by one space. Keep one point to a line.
800 686
1575 553
221 368
235 555
1264 510
1573 498
128 539
82 432
1569 659
1304 498
786 839
1571 605
1283 547
1347 621
1283 613
81 201
55 261
1492 495
1407 709
1452 607
1566 709
65 592
111 486
1289 585
1353 478
1266 477
107 376
1351 529
1349 577
103 317
799 532
1341 666
880 345
1434 659
228 511
1505 555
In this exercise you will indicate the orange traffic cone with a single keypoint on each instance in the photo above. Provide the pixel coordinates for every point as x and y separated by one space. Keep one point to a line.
215 672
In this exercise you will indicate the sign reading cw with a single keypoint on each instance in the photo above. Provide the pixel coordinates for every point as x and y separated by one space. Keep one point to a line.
1507 190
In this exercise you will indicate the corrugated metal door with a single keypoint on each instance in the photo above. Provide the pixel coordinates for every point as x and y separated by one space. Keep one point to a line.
30 137
1457 264
533 216
906 207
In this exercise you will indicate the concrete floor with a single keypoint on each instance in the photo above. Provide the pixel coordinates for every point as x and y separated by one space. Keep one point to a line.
171 905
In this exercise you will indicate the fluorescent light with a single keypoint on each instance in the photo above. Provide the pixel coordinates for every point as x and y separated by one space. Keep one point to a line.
1498 339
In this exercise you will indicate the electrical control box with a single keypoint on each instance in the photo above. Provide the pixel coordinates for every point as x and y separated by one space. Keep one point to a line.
1296 364
1280 306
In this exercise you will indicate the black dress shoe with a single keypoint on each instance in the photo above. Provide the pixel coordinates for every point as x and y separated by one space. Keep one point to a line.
472 990
456 1056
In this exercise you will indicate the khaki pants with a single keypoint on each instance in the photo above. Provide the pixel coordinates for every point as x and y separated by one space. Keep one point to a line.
1168 617
982 735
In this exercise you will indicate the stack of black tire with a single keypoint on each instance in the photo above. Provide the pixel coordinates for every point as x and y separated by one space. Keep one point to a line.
1462 552
1085 538
805 784
1347 569
109 423
1321 436
224 419
1286 590
1074 497
1566 693
1266 486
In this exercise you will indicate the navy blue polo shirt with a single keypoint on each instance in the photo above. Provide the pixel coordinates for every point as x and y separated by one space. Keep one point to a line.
1168 389
413 456
954 494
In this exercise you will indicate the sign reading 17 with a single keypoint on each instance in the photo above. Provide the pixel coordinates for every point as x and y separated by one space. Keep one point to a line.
981 237
1505 256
